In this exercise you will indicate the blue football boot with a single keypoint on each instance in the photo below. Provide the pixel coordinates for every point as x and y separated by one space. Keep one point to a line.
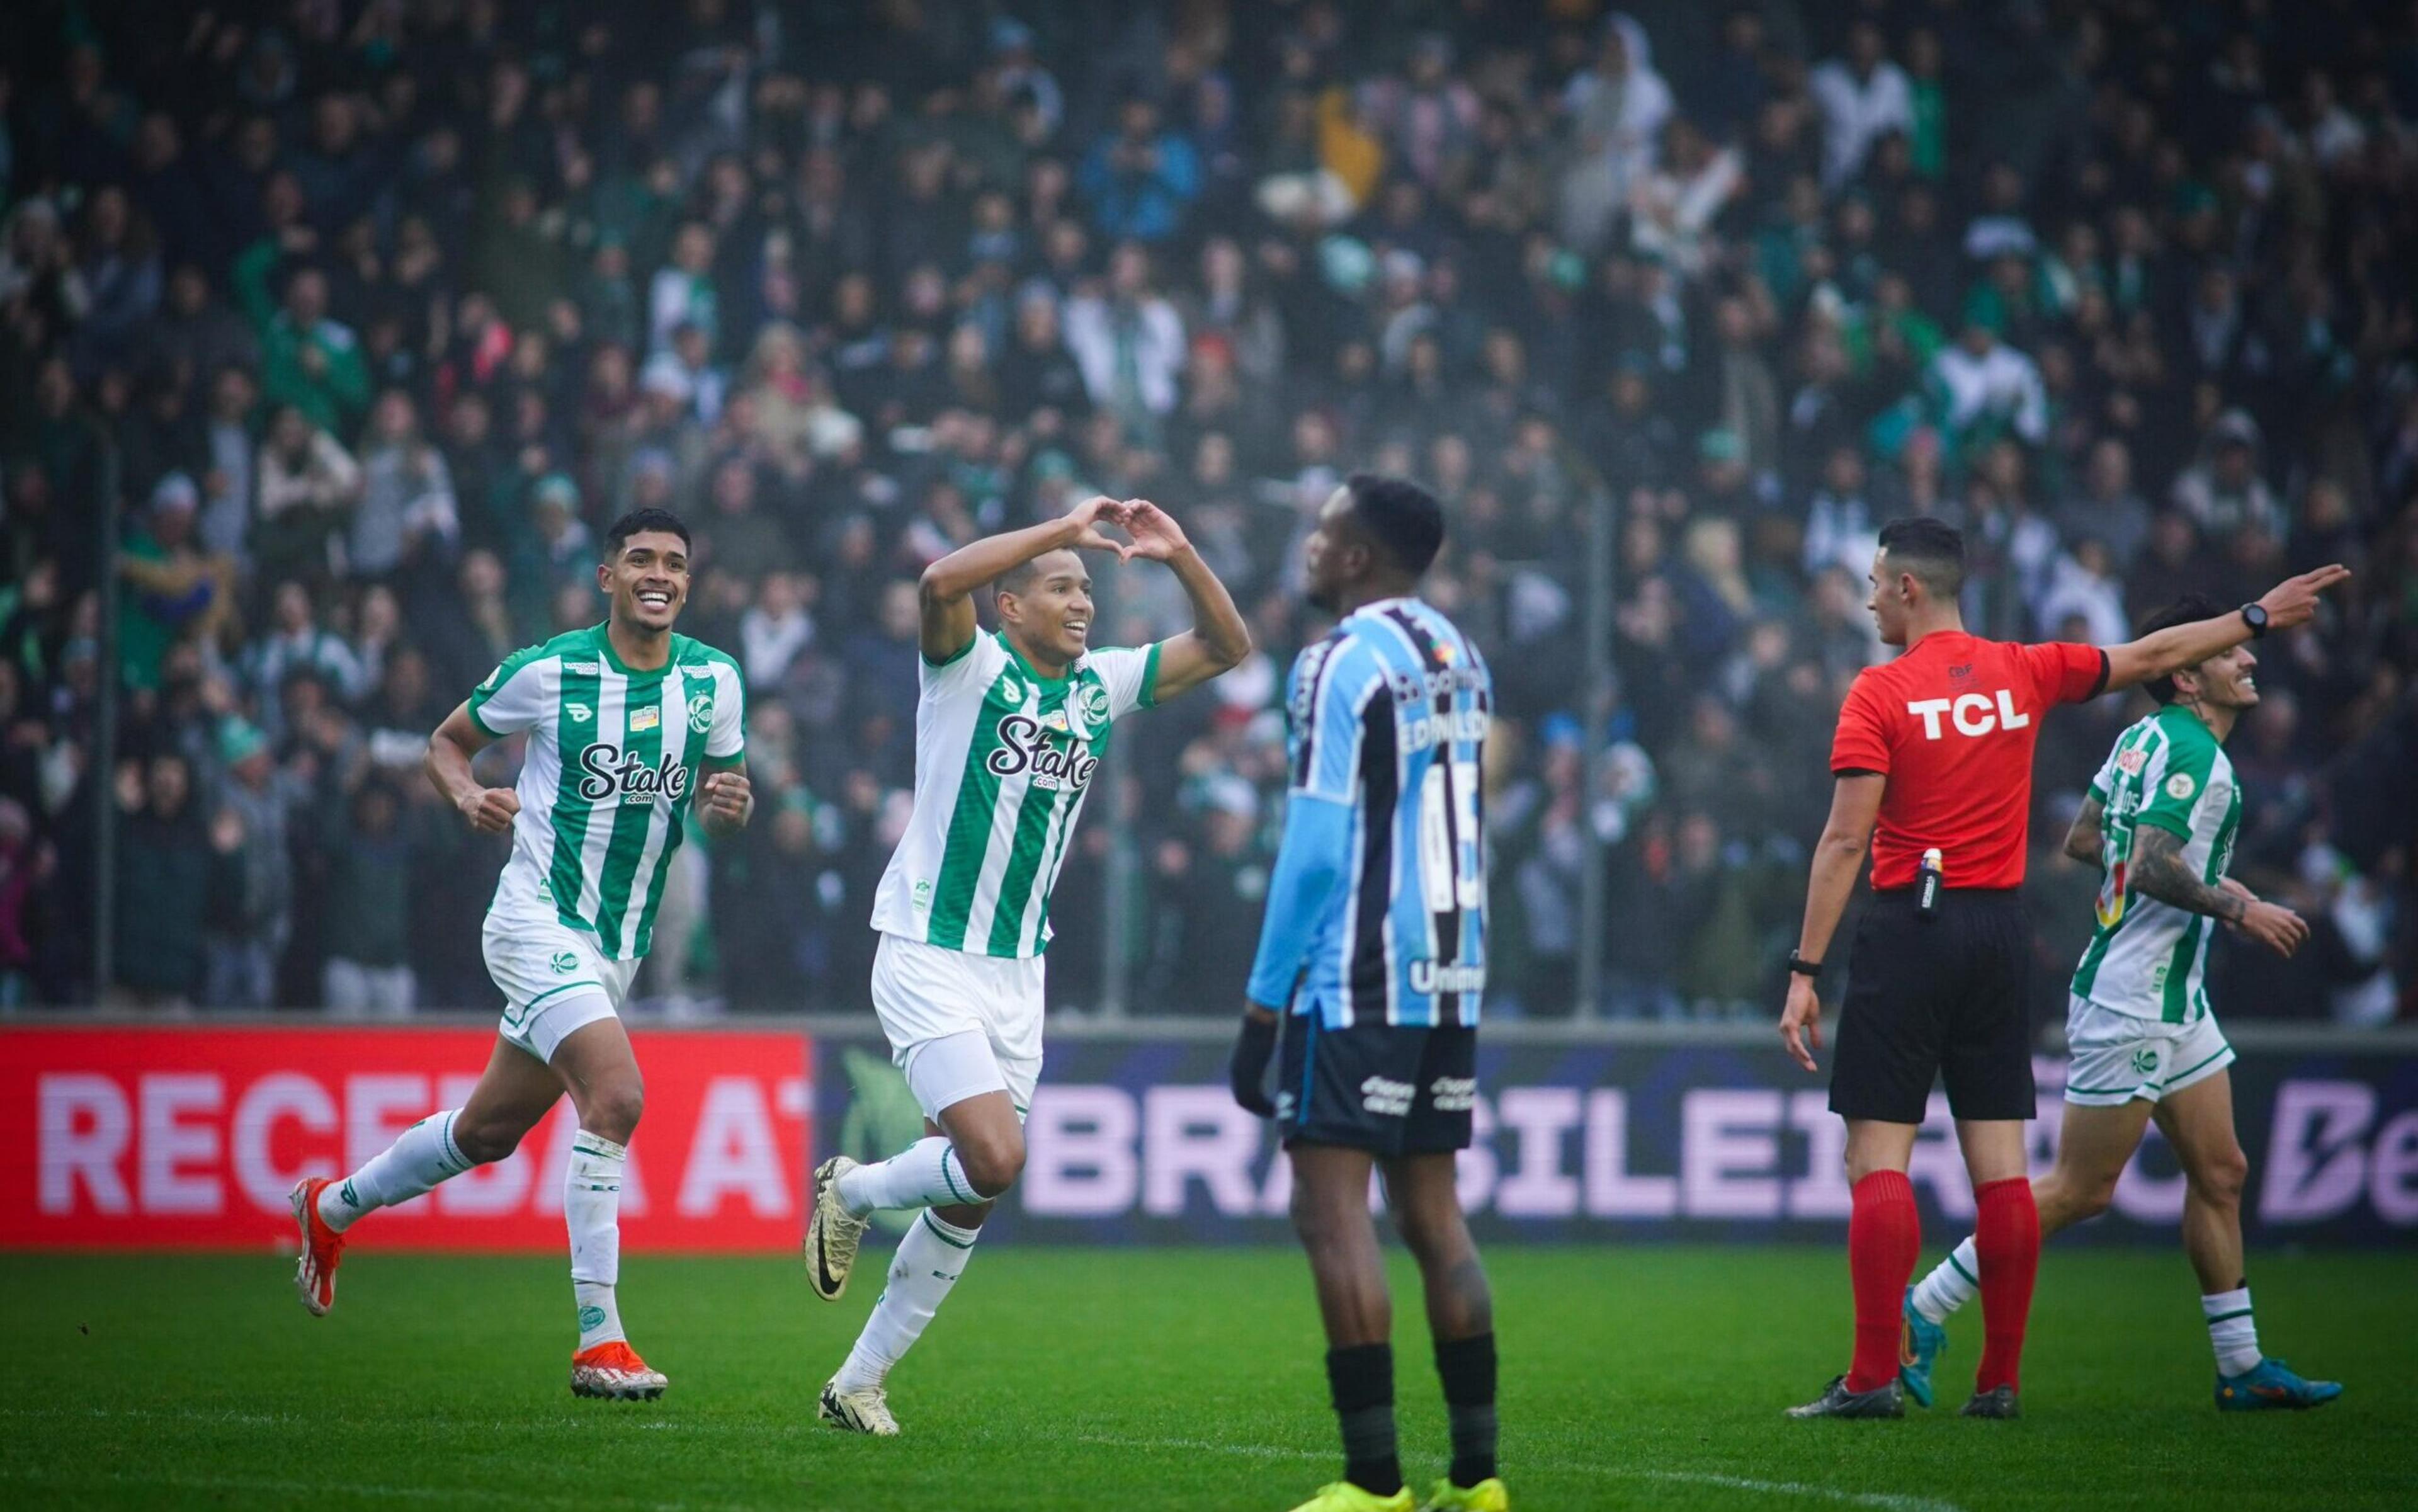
2271 1388
1919 1349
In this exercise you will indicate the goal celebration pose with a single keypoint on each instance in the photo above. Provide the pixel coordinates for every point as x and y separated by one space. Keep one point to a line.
1010 729
1373 958
629 725
2159 822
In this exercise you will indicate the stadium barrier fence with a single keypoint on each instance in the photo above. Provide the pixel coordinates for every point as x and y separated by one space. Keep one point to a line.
123 1134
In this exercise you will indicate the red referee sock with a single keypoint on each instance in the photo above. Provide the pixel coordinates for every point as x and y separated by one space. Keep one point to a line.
2007 1240
1884 1236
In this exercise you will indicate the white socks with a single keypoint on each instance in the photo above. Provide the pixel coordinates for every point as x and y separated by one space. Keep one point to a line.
928 1262
1950 1284
926 1174
592 1208
425 1155
2232 1333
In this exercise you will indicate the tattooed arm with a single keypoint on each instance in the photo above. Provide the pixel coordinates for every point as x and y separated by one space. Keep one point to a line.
2158 869
2082 840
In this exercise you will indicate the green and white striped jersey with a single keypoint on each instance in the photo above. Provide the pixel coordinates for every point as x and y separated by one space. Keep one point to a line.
1003 756
612 762
2147 958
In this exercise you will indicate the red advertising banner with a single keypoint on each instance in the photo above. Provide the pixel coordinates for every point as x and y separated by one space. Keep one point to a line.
142 1139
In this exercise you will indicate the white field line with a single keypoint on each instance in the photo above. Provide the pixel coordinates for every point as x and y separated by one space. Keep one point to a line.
1881 1501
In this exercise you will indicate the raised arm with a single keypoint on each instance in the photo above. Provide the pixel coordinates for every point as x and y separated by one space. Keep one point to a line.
1218 640
946 589
2082 838
2292 602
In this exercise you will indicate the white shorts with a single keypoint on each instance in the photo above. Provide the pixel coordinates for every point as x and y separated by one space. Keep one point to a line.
2119 1056
553 978
922 993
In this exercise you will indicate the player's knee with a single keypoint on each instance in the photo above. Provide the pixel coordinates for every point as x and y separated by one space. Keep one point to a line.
992 1161
484 1140
612 1108
2221 1178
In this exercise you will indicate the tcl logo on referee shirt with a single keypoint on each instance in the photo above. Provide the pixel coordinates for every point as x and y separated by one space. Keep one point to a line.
1950 725
1971 713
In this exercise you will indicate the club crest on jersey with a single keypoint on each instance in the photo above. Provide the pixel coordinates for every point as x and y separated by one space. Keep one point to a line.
611 770
650 717
1092 702
700 711
1024 746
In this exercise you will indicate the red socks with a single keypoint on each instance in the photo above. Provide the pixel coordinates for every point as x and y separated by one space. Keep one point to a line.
2007 1239
1884 1236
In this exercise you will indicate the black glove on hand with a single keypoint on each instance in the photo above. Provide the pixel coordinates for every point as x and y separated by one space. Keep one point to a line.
1248 1072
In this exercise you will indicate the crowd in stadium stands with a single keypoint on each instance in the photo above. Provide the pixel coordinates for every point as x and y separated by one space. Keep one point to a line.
372 313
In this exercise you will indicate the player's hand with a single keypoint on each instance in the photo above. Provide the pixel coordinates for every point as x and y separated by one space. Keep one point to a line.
2237 890
1090 515
1247 1073
1156 536
2294 601
490 810
2274 926
1801 1022
728 800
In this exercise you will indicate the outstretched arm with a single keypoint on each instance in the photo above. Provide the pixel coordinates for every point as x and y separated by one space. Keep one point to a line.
947 587
1218 639
2292 602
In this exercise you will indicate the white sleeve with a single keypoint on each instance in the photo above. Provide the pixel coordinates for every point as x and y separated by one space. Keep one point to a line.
727 739
974 668
513 696
1131 675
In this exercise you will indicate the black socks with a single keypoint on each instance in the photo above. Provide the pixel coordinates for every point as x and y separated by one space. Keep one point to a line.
1467 1368
1361 1380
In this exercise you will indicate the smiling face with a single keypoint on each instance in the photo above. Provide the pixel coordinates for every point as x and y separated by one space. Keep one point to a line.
1048 608
2226 680
648 582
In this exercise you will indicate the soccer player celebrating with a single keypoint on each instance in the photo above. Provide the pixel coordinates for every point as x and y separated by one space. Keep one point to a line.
629 725
2160 821
1373 958
1935 748
1009 731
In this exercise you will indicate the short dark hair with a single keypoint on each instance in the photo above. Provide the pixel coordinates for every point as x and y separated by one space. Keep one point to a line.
1020 578
638 522
2189 609
1931 549
1400 516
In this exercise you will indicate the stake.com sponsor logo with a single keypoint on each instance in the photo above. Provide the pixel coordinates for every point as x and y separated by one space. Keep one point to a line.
147 1137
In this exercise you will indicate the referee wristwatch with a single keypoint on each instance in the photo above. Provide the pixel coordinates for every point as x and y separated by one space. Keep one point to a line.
1801 967
2254 615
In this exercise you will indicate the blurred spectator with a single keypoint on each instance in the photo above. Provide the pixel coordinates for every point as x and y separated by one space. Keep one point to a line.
167 871
2126 300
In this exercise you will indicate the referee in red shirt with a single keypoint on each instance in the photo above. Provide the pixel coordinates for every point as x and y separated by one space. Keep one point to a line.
1933 759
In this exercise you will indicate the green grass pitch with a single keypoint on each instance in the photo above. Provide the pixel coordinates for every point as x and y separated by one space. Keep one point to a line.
1646 1378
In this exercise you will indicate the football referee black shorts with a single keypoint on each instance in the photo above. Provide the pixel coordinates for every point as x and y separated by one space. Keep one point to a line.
1940 996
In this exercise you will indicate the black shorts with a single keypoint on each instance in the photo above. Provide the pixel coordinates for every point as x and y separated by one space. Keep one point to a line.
1940 996
1387 1089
